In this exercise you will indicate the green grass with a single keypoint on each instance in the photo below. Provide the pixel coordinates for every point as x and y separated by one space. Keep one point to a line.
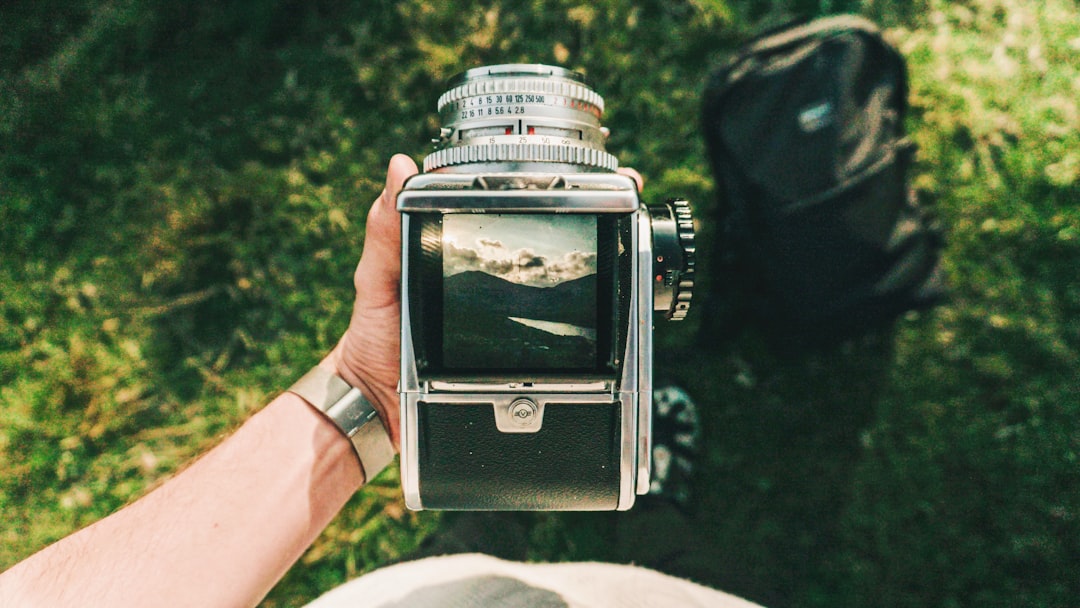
182 193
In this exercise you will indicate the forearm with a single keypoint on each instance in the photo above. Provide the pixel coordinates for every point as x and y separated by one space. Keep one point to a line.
223 531
220 533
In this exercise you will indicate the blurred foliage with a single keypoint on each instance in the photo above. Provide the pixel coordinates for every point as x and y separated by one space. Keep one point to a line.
969 487
182 193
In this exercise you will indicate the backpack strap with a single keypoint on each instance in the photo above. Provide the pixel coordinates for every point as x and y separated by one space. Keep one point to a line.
779 38
901 151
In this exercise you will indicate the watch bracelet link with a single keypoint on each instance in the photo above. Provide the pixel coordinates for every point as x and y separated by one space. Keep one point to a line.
353 414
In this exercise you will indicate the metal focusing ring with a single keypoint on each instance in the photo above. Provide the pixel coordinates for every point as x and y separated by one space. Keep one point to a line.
496 153
548 86
685 226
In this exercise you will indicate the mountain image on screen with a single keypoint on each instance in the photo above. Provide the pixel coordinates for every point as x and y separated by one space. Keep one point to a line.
492 323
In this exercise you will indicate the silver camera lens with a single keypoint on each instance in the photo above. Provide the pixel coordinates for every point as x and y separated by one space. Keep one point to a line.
520 118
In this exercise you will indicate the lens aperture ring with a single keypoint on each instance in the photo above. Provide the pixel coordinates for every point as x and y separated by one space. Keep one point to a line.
520 153
527 90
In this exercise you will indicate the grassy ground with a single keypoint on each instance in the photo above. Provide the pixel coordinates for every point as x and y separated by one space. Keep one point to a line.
182 187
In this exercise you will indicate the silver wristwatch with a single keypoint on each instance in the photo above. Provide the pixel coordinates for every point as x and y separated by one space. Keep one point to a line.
352 413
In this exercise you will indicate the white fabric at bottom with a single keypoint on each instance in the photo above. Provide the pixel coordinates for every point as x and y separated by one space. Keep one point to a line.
461 580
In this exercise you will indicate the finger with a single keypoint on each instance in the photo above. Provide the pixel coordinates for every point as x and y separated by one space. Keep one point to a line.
379 270
633 174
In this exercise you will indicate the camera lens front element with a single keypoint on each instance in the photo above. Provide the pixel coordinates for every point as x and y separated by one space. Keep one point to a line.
514 114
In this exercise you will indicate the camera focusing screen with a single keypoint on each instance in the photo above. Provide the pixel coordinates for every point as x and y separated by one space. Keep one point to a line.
519 291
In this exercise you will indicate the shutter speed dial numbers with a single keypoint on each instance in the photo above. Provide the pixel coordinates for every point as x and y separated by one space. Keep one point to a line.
521 114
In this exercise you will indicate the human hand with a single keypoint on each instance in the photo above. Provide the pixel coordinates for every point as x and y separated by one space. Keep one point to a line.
368 355
634 175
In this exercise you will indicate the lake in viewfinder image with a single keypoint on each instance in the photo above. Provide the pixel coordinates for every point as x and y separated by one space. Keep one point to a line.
519 291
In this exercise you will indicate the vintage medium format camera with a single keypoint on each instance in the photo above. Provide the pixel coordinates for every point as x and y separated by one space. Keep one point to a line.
531 271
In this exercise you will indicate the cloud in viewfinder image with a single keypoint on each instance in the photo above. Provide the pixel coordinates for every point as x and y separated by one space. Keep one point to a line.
541 251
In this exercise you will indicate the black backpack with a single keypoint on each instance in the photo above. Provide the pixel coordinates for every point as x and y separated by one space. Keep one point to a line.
820 234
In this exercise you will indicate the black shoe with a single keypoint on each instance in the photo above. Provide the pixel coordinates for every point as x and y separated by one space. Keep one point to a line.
676 432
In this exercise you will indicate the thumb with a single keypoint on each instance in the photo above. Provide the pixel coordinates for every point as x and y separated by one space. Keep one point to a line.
379 271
